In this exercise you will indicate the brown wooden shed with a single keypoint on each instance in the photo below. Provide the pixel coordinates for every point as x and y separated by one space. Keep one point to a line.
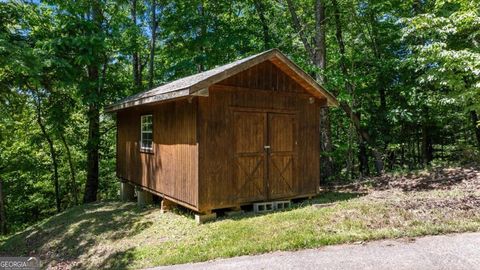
240 133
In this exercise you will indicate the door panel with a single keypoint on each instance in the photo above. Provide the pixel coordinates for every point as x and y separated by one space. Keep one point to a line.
264 173
282 129
250 157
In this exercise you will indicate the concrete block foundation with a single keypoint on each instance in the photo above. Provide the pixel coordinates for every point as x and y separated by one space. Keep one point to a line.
144 197
127 192
202 218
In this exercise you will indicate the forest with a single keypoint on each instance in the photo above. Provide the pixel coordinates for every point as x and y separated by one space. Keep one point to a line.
406 74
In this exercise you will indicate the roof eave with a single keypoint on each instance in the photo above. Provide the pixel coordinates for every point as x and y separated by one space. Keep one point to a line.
185 92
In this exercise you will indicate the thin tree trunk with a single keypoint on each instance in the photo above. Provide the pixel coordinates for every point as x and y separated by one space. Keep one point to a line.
326 162
136 66
318 56
260 8
320 60
202 31
3 216
73 183
427 149
402 157
53 156
297 25
476 125
350 159
153 29
364 136
349 87
380 80
419 150
362 155
378 55
411 152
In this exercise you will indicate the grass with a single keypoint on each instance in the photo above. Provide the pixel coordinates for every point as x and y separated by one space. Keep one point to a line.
122 236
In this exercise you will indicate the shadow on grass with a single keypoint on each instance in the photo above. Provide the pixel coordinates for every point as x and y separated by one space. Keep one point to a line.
119 260
68 235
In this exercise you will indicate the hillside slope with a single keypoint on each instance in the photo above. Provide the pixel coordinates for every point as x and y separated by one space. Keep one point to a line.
122 236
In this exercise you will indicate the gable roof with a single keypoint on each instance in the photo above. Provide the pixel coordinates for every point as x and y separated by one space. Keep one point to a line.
194 85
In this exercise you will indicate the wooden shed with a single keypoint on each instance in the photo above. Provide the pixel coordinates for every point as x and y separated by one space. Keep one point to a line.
240 133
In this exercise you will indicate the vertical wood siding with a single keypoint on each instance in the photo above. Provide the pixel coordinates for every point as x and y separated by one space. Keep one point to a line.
265 89
172 168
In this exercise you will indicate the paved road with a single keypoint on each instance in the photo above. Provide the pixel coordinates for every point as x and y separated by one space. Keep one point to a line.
456 251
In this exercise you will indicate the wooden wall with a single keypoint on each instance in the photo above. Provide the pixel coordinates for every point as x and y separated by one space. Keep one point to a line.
267 89
172 168
197 157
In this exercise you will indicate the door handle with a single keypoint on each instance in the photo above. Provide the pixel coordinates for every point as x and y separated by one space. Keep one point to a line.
266 147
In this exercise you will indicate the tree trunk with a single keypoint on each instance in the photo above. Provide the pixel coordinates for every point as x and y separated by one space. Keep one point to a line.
202 32
3 216
53 156
136 66
73 181
93 144
326 162
260 8
320 60
365 137
362 151
318 56
362 154
427 148
402 155
476 125
380 80
93 114
153 29
297 25
350 168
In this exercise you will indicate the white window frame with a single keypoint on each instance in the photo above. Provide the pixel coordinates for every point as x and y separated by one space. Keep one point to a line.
143 119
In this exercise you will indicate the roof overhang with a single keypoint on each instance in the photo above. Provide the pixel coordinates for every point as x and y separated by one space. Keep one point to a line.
197 85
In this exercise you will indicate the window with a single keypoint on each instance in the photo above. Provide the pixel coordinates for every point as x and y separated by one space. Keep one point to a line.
146 136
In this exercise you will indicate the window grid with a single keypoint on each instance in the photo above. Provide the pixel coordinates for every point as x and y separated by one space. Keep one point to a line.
146 140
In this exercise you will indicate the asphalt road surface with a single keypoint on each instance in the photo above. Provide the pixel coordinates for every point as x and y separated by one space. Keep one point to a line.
455 251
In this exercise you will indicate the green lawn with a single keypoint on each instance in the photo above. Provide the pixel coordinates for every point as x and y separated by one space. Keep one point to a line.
120 235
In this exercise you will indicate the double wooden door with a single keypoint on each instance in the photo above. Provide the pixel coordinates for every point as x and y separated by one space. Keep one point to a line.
265 154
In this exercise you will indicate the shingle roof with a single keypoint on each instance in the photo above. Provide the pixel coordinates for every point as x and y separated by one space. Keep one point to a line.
188 86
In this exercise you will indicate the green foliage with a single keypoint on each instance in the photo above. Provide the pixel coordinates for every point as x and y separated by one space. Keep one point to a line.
414 67
447 52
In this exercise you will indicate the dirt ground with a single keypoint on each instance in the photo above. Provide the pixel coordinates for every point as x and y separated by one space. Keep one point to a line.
457 188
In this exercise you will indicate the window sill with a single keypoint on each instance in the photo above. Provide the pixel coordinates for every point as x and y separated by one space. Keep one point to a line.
146 151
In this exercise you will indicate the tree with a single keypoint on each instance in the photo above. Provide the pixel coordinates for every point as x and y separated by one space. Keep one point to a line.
91 32
317 53
51 146
476 125
445 59
153 38
3 220
260 9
